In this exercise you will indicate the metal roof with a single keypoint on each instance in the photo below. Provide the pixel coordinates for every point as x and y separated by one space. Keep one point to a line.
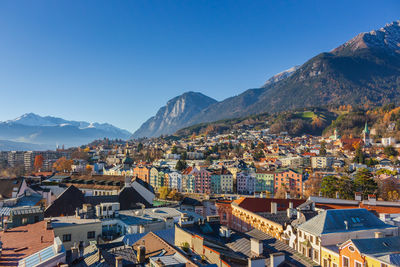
332 221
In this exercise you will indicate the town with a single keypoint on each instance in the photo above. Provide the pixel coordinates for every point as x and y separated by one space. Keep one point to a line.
246 198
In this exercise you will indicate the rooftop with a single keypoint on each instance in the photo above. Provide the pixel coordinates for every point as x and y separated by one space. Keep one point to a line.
70 221
23 241
334 221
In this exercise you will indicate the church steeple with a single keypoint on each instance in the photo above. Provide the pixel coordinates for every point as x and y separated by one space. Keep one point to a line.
367 139
366 130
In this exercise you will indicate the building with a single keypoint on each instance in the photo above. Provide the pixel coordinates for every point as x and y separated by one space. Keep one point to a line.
245 183
264 181
202 179
74 231
332 227
379 251
142 172
321 162
175 180
31 245
289 180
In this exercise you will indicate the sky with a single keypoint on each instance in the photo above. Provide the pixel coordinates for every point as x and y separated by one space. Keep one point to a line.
120 61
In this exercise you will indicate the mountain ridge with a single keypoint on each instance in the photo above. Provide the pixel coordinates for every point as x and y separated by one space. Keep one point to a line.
363 71
34 131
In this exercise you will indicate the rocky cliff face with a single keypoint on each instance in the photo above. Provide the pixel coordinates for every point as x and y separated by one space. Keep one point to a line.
174 115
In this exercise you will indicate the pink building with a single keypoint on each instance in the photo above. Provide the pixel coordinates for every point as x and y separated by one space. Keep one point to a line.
202 179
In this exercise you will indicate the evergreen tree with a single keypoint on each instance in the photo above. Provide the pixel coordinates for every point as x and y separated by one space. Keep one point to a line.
365 183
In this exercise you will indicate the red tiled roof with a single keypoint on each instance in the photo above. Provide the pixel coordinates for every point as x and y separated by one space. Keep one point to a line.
27 240
264 204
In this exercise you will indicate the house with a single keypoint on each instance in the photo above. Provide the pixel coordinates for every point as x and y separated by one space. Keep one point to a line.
333 227
74 231
379 251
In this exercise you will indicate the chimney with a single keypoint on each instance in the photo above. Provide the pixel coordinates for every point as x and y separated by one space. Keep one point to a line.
372 199
118 261
141 253
256 247
337 194
287 195
357 196
48 225
379 235
274 207
74 253
277 258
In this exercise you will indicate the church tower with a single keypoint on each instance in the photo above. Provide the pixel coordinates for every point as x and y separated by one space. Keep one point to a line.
366 136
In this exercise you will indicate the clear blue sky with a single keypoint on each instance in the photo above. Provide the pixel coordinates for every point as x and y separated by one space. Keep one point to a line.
120 61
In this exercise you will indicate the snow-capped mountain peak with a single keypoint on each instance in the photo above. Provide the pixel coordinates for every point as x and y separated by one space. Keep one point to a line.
387 38
281 75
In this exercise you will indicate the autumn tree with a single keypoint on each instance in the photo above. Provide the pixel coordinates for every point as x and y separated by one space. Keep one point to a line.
38 163
163 192
63 164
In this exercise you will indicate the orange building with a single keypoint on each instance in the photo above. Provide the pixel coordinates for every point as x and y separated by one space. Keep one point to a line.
289 180
142 172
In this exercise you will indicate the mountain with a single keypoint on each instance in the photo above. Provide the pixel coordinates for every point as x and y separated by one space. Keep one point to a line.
281 75
174 115
364 70
33 132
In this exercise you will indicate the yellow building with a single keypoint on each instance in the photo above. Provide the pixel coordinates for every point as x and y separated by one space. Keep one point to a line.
330 256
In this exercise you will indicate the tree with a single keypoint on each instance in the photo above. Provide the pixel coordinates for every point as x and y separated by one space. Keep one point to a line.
139 147
346 187
38 163
390 151
174 150
63 164
181 165
329 186
359 156
322 150
163 192
365 183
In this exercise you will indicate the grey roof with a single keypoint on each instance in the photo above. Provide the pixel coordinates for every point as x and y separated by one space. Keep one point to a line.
384 245
332 221
272 245
280 217
392 259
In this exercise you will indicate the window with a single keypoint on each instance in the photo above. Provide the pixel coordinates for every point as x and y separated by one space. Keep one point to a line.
24 221
91 234
384 265
311 239
345 262
67 238
325 263
36 219
357 264
316 255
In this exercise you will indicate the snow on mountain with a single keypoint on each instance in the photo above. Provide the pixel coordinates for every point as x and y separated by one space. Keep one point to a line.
281 75
32 119
48 131
387 38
